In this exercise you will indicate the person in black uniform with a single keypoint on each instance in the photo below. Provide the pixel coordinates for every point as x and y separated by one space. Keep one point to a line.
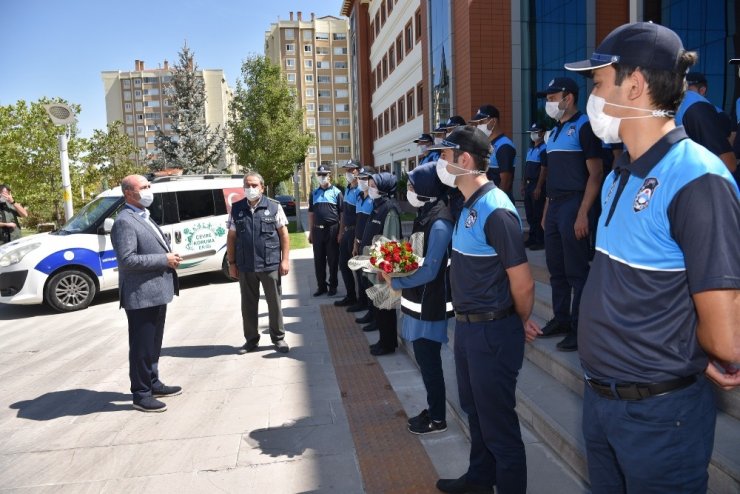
258 251
347 233
663 290
427 156
363 209
736 137
697 82
503 153
10 210
385 220
324 210
533 187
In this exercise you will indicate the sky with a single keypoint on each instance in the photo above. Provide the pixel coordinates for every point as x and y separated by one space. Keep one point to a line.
59 48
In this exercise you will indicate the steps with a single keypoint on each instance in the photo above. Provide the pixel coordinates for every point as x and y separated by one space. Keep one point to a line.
550 391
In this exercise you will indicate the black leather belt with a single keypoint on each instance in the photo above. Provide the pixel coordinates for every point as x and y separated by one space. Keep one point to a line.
639 391
485 316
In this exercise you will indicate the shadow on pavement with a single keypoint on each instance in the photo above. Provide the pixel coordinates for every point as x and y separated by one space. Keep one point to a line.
289 440
199 351
71 403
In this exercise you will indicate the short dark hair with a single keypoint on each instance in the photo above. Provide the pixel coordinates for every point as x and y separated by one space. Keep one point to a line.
481 162
665 87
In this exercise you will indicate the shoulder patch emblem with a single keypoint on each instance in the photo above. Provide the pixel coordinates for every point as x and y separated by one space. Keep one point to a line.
642 199
267 212
471 219
571 130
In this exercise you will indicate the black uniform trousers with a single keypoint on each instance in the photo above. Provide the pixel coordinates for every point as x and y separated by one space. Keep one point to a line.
345 254
534 208
145 332
387 322
325 251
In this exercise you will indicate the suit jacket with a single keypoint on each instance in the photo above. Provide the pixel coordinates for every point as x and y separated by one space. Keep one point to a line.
144 277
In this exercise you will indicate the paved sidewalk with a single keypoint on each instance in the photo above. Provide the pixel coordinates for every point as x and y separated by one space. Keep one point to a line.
260 422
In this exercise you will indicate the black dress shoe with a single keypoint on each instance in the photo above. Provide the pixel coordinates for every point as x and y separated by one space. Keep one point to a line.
370 327
319 292
461 486
365 319
150 404
569 343
357 308
379 350
554 328
165 391
249 346
332 292
536 246
345 302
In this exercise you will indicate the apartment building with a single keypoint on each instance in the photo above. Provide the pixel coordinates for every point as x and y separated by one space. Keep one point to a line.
139 100
313 55
468 53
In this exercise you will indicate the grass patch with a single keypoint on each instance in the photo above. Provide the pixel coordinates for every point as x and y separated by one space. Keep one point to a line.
406 216
298 240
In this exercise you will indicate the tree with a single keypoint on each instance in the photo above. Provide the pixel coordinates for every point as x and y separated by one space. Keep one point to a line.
193 146
265 122
111 156
29 158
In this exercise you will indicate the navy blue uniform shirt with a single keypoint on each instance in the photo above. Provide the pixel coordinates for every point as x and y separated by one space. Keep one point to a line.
702 123
326 205
570 145
503 154
536 157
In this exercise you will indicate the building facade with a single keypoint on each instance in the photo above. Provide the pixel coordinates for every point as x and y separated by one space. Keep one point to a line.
502 51
314 56
138 99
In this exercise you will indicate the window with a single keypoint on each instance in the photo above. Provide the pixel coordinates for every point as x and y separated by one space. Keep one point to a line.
322 50
151 92
311 122
378 76
324 93
139 117
380 126
343 149
151 104
399 48
140 129
410 105
151 116
342 121
325 122
290 48
307 49
127 83
310 107
417 25
324 79
419 98
139 106
340 79
372 32
323 65
393 117
291 78
289 33
325 108
326 163
377 23
130 128
341 93
322 36
312 150
309 78
326 136
382 12
342 107
372 81
127 106
127 95
137 82
309 93
340 50
409 33
339 36
150 140
401 110
340 65
150 80
151 128
290 63
312 165
327 149
194 204
392 58
387 120
307 34
137 93
129 118
342 136
385 66
308 63
389 6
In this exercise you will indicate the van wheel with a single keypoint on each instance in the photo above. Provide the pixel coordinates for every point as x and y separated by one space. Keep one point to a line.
70 290
225 270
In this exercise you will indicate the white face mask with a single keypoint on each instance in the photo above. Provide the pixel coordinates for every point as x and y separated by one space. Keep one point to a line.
414 200
553 110
535 136
484 128
146 197
349 177
448 178
362 184
423 148
373 192
252 193
323 179
605 126
437 141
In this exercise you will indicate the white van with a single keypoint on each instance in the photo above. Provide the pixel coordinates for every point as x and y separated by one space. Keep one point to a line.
68 267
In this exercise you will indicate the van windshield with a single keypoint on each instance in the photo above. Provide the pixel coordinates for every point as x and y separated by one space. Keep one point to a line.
89 215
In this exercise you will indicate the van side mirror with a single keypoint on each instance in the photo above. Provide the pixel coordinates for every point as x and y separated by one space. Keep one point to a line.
107 225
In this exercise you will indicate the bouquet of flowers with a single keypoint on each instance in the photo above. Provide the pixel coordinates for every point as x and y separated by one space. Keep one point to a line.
393 257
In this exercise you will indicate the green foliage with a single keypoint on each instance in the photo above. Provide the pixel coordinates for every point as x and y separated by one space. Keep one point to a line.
265 122
314 182
193 145
29 159
283 189
110 158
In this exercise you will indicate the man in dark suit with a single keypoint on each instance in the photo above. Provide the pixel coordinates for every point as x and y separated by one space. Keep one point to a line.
147 281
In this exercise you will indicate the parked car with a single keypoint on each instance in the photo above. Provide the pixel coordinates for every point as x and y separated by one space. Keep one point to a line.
288 204
68 267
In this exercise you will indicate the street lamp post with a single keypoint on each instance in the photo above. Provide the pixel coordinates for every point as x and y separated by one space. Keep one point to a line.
297 187
62 114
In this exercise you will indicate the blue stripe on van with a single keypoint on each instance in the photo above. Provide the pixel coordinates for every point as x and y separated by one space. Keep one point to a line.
94 261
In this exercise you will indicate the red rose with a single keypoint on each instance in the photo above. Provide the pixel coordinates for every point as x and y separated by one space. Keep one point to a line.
408 246
373 261
396 258
387 268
